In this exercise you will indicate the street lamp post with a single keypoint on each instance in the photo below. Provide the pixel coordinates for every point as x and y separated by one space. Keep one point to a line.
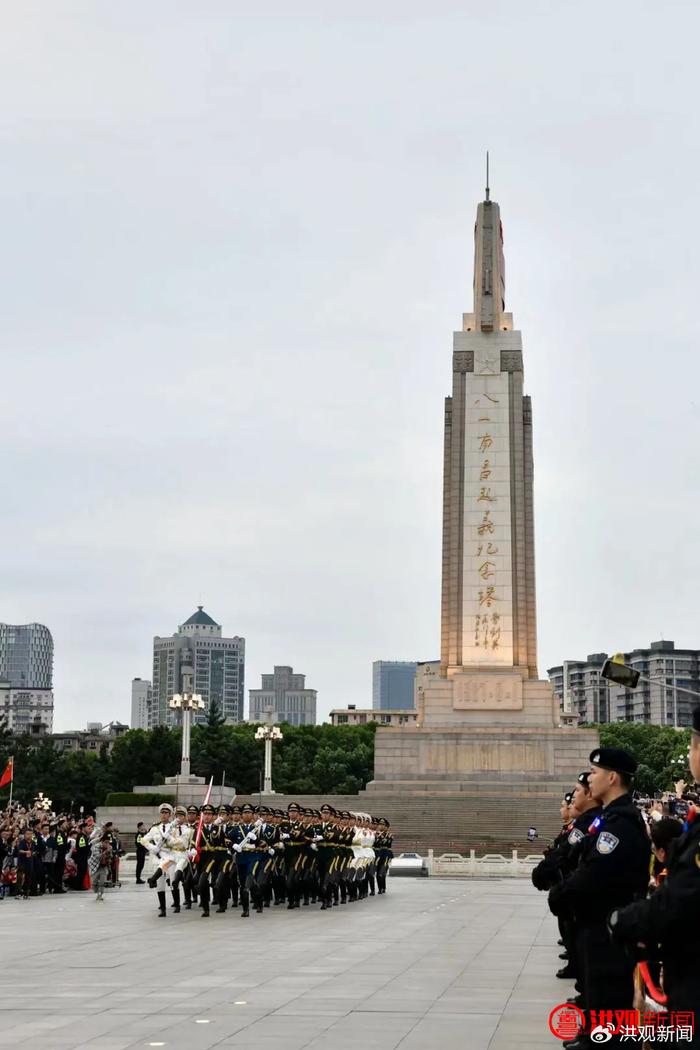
268 734
187 703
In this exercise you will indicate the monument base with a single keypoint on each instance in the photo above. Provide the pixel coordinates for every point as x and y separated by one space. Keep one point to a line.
480 759
189 791
487 760
487 729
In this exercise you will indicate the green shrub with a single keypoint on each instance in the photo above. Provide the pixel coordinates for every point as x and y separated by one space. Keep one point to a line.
128 798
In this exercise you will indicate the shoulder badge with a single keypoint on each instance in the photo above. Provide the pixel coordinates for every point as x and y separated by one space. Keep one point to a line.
606 842
575 837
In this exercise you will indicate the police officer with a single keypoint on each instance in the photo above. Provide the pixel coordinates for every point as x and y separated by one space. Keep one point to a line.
612 871
668 921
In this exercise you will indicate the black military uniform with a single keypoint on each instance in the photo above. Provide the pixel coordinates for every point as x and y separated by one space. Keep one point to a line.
667 922
613 870
190 879
212 852
384 853
141 853
559 862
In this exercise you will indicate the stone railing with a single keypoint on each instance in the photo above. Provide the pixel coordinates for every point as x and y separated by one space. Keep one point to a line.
490 865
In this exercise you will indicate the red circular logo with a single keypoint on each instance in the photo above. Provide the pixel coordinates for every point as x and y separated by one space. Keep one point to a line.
566 1021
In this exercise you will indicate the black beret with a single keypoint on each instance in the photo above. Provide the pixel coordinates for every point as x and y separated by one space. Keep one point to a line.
615 759
582 778
568 797
696 719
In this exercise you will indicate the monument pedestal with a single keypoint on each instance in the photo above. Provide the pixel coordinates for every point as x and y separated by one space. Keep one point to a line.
488 737
189 790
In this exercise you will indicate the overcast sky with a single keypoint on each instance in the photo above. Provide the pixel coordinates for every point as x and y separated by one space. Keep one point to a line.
236 239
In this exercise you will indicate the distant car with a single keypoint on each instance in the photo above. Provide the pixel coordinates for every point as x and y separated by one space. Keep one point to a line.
409 864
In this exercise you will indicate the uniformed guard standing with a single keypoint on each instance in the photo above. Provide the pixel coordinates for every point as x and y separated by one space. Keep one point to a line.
613 870
668 921
141 852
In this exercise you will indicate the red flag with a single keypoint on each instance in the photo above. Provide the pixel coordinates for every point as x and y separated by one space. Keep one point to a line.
8 774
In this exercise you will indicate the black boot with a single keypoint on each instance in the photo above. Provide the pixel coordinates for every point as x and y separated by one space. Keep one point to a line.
162 913
153 881
176 898
244 904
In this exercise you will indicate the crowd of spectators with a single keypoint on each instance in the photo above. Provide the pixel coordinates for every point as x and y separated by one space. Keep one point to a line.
45 852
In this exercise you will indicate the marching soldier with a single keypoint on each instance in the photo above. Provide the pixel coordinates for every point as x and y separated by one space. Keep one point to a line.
154 840
255 852
189 878
212 851
177 852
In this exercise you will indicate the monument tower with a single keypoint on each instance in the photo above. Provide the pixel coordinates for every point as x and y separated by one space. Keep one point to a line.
483 713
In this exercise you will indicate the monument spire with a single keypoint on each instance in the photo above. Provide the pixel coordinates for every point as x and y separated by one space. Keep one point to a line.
489 271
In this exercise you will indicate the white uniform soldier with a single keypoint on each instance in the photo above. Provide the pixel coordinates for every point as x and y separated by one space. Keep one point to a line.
155 841
176 852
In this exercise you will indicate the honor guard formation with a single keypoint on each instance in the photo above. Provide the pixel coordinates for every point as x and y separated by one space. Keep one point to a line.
255 856
623 879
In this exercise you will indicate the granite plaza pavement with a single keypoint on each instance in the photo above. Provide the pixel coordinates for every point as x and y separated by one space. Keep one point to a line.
437 963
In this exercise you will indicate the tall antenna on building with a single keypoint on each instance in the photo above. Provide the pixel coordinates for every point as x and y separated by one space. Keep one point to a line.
488 191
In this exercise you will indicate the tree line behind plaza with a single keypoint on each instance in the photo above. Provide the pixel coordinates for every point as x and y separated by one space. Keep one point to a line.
317 760
314 760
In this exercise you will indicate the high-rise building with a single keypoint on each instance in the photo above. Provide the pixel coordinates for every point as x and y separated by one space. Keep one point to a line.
583 694
26 655
143 713
218 664
283 698
393 684
26 677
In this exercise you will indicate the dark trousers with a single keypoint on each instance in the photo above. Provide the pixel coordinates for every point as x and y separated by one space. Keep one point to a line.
140 860
25 875
608 972
682 987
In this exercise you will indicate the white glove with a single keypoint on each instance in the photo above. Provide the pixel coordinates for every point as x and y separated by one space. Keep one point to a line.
314 847
284 836
318 838
258 823
251 835
192 853
238 847
271 851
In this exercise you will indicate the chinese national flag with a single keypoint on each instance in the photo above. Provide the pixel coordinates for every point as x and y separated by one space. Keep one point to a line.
7 775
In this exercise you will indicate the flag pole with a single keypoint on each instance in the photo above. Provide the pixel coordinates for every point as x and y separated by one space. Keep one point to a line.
12 782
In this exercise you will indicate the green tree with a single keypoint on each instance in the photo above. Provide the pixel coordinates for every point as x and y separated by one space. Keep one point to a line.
656 749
